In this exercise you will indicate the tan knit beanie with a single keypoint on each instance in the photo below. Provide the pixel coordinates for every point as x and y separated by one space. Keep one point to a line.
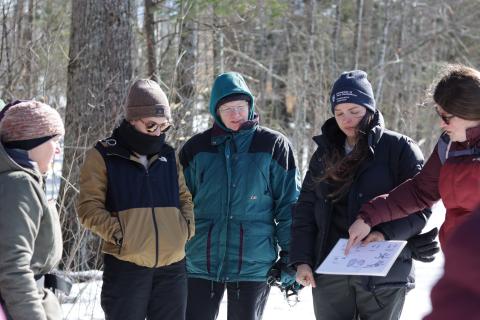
30 120
146 99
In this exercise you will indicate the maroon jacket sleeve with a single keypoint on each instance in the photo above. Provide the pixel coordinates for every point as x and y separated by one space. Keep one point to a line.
414 194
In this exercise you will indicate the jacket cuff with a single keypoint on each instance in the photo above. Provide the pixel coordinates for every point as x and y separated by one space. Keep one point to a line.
365 219
382 231
117 238
295 264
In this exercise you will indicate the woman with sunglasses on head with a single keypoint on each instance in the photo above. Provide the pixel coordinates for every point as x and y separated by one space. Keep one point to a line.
133 195
30 235
357 158
451 174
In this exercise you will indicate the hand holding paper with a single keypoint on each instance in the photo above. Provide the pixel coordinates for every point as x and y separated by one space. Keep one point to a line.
305 276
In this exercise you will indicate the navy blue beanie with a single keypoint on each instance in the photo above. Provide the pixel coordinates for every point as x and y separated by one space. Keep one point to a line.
353 87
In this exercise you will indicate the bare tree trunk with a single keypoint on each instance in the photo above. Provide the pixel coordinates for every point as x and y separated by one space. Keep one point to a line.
149 28
7 59
19 15
401 76
383 52
186 73
358 33
99 71
28 47
218 46
336 34
303 103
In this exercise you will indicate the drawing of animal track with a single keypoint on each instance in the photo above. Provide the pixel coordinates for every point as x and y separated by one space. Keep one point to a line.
353 263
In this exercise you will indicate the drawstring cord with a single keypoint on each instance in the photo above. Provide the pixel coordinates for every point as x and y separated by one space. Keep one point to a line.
212 292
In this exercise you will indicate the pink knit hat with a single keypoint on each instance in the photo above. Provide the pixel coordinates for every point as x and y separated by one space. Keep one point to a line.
29 120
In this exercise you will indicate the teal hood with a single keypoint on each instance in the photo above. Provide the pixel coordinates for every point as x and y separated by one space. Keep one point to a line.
226 84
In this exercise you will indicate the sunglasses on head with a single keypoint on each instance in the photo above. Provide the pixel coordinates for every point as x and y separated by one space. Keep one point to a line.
152 126
444 117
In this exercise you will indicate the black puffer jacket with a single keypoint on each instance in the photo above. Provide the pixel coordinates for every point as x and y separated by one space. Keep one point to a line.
393 159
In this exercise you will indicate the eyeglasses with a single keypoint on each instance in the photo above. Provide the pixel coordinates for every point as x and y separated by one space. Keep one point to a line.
444 117
232 110
152 126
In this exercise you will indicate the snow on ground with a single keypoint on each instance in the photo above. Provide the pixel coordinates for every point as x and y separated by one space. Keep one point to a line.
84 301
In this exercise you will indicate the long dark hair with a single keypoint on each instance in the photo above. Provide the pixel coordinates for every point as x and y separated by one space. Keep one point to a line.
458 91
340 169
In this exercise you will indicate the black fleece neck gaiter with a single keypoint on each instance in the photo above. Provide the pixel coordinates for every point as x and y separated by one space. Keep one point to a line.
141 143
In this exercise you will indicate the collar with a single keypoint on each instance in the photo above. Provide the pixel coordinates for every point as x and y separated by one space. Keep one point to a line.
473 136
220 135
21 157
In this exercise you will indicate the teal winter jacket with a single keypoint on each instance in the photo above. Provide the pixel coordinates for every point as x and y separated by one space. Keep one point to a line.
243 186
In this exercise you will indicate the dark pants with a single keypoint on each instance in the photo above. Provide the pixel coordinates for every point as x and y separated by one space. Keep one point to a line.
246 299
132 292
346 297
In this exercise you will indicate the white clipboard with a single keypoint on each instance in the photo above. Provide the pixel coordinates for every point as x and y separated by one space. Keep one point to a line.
373 259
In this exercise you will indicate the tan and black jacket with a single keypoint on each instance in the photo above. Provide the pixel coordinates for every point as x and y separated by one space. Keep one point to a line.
144 215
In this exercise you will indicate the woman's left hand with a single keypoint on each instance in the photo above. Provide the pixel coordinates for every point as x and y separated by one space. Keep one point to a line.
374 236
357 231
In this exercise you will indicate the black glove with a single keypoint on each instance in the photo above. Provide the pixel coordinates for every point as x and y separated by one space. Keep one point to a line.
423 246
282 276
281 272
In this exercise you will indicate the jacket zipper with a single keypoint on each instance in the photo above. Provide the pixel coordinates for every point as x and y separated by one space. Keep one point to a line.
153 217
152 208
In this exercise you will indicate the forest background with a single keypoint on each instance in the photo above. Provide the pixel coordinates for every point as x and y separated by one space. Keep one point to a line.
81 56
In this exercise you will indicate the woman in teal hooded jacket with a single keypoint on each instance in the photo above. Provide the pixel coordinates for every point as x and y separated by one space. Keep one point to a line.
243 181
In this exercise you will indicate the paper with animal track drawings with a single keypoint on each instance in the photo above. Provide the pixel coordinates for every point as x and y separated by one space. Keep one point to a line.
373 259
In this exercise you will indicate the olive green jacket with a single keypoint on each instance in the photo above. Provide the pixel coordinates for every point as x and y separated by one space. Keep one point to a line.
30 239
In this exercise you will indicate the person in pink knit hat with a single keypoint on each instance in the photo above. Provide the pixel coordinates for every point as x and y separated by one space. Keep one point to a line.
30 234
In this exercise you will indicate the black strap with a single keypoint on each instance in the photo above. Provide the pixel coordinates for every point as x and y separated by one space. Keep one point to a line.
55 282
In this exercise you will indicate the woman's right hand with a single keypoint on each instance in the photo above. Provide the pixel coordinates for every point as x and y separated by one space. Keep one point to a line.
304 275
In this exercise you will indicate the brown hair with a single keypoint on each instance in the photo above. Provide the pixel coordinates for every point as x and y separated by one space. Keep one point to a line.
340 169
458 92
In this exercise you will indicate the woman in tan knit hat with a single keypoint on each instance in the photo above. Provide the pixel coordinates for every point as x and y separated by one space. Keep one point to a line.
30 235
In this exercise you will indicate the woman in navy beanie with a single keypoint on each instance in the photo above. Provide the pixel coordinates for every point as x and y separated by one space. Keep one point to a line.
357 158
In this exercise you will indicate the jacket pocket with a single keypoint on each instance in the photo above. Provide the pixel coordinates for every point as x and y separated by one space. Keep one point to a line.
200 253
119 242
186 225
140 238
256 248
209 248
